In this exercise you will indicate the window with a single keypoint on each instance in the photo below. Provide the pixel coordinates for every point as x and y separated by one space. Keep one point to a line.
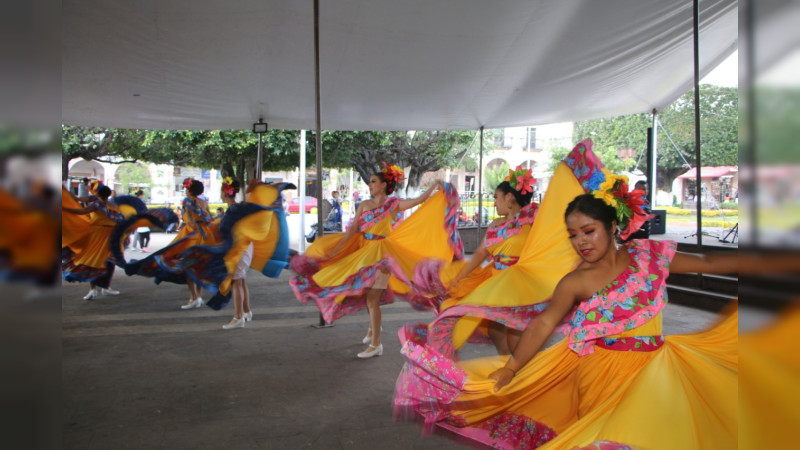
531 144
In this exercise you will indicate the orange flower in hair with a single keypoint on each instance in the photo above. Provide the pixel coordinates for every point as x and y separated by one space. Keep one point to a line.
392 173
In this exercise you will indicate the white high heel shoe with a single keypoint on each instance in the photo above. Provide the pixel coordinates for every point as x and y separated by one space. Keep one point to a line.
248 316
92 294
373 351
234 323
109 291
368 338
192 304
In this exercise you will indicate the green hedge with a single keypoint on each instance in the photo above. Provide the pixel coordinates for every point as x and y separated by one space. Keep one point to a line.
706 213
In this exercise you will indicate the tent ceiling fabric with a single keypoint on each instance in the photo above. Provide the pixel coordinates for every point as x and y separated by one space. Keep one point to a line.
384 64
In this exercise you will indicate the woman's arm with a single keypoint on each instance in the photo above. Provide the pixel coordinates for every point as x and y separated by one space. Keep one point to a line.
740 262
697 263
81 211
412 202
477 258
538 330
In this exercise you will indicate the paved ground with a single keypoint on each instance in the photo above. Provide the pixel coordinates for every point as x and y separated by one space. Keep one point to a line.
139 372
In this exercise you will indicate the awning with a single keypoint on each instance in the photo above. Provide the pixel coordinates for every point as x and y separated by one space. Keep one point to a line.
385 64
710 172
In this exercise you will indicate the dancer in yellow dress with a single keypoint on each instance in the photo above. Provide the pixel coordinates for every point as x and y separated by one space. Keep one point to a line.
86 236
614 381
28 235
445 285
530 254
372 262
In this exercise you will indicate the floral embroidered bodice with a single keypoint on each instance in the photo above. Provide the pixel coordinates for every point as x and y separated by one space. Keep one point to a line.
191 206
504 242
111 215
377 223
632 299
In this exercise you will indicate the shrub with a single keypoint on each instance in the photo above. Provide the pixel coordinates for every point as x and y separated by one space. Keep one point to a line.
717 223
678 211
719 212
730 205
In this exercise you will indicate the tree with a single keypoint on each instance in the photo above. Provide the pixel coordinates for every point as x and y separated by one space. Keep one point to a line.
718 134
493 176
607 156
234 152
416 151
101 144
132 174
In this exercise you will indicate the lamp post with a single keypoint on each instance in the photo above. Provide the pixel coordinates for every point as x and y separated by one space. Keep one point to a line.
259 128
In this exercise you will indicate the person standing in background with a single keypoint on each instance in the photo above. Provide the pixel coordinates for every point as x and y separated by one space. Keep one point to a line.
335 216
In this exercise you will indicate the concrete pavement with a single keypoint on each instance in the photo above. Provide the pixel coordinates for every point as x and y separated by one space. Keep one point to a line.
139 372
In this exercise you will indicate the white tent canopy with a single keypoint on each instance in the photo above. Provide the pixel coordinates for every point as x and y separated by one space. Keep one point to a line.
384 64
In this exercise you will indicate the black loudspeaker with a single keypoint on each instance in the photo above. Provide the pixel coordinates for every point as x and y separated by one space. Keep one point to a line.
658 224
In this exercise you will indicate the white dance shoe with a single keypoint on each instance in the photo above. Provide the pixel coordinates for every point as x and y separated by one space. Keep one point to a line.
234 323
92 294
248 316
109 291
192 304
373 351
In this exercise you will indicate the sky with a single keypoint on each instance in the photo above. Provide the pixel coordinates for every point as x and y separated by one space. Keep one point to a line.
726 74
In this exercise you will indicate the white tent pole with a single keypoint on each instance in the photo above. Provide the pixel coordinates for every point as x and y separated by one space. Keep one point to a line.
352 208
302 189
258 158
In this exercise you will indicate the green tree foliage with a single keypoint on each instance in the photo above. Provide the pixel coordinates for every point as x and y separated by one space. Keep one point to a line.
608 157
718 134
133 174
416 151
101 144
494 175
234 151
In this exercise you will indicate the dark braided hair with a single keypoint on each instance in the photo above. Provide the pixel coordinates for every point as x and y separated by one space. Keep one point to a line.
104 192
390 185
522 199
196 188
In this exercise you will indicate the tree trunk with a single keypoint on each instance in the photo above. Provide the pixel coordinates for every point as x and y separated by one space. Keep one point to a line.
65 168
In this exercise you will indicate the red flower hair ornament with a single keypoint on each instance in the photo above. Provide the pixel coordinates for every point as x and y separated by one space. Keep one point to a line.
521 179
392 173
227 186
187 183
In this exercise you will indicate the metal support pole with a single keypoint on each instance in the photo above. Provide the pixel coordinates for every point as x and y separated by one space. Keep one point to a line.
480 186
648 164
751 131
320 228
696 24
652 163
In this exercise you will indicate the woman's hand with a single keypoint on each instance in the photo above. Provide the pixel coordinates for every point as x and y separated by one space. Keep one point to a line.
502 376
454 282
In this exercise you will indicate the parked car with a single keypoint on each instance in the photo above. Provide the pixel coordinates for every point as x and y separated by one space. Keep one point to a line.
294 204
